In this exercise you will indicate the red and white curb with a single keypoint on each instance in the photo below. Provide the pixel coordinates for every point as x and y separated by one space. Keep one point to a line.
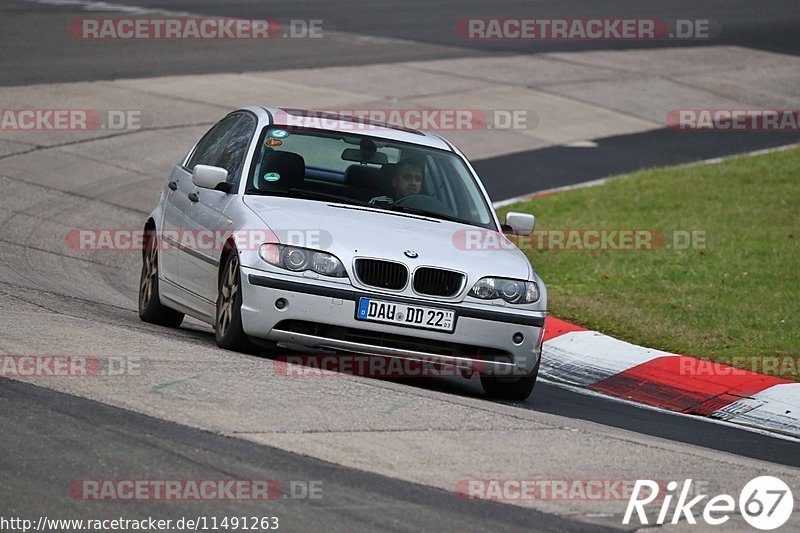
598 362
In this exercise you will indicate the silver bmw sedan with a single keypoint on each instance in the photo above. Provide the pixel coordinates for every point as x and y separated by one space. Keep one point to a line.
311 230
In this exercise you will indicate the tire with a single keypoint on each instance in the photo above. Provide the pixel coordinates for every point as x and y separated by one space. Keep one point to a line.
228 324
151 309
503 388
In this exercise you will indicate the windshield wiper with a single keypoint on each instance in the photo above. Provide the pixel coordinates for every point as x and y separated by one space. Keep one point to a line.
295 193
432 214
326 196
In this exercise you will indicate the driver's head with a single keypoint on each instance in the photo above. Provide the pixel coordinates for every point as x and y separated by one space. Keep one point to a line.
407 179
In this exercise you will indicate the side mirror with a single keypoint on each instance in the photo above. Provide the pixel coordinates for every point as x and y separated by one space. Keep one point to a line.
519 223
209 177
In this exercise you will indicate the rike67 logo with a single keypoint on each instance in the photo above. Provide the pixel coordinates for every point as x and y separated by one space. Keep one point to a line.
765 502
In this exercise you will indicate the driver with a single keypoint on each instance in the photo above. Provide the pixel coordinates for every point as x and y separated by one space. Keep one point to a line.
406 181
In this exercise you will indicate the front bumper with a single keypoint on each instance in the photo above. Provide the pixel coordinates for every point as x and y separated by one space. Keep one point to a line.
320 314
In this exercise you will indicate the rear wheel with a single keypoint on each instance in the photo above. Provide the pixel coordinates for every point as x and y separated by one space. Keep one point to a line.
228 326
150 308
504 388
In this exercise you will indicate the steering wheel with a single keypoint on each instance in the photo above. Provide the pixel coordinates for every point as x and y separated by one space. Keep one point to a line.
425 203
409 198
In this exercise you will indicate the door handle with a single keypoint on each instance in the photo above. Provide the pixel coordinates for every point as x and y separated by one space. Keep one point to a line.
194 197
173 185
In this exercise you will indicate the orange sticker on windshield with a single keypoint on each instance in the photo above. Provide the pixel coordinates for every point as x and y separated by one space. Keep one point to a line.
273 142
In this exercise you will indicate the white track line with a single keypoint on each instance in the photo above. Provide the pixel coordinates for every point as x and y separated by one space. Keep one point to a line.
88 5
593 183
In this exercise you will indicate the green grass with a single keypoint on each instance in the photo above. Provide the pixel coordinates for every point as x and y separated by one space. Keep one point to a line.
740 296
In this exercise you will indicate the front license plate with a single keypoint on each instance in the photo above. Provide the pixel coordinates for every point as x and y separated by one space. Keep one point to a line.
406 315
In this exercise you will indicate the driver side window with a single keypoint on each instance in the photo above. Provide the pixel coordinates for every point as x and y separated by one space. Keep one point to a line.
232 156
212 143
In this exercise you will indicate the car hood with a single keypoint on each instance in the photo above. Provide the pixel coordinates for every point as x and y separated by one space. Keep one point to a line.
349 231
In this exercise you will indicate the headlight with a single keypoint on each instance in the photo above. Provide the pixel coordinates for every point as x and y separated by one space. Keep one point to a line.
301 259
295 259
511 290
326 264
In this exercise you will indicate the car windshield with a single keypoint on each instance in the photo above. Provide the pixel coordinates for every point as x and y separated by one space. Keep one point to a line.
370 171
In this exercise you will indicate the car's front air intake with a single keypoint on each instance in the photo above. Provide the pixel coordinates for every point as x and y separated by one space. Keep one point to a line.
381 274
437 282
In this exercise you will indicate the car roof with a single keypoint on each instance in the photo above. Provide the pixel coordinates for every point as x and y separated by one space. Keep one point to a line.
330 121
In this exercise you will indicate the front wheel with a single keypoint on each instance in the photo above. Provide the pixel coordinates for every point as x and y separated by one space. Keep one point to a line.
151 309
228 325
503 388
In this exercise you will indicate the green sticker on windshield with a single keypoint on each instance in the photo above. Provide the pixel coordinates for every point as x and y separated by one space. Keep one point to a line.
279 134
272 176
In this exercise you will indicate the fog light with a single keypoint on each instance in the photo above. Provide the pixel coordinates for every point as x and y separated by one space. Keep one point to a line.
517 338
280 303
